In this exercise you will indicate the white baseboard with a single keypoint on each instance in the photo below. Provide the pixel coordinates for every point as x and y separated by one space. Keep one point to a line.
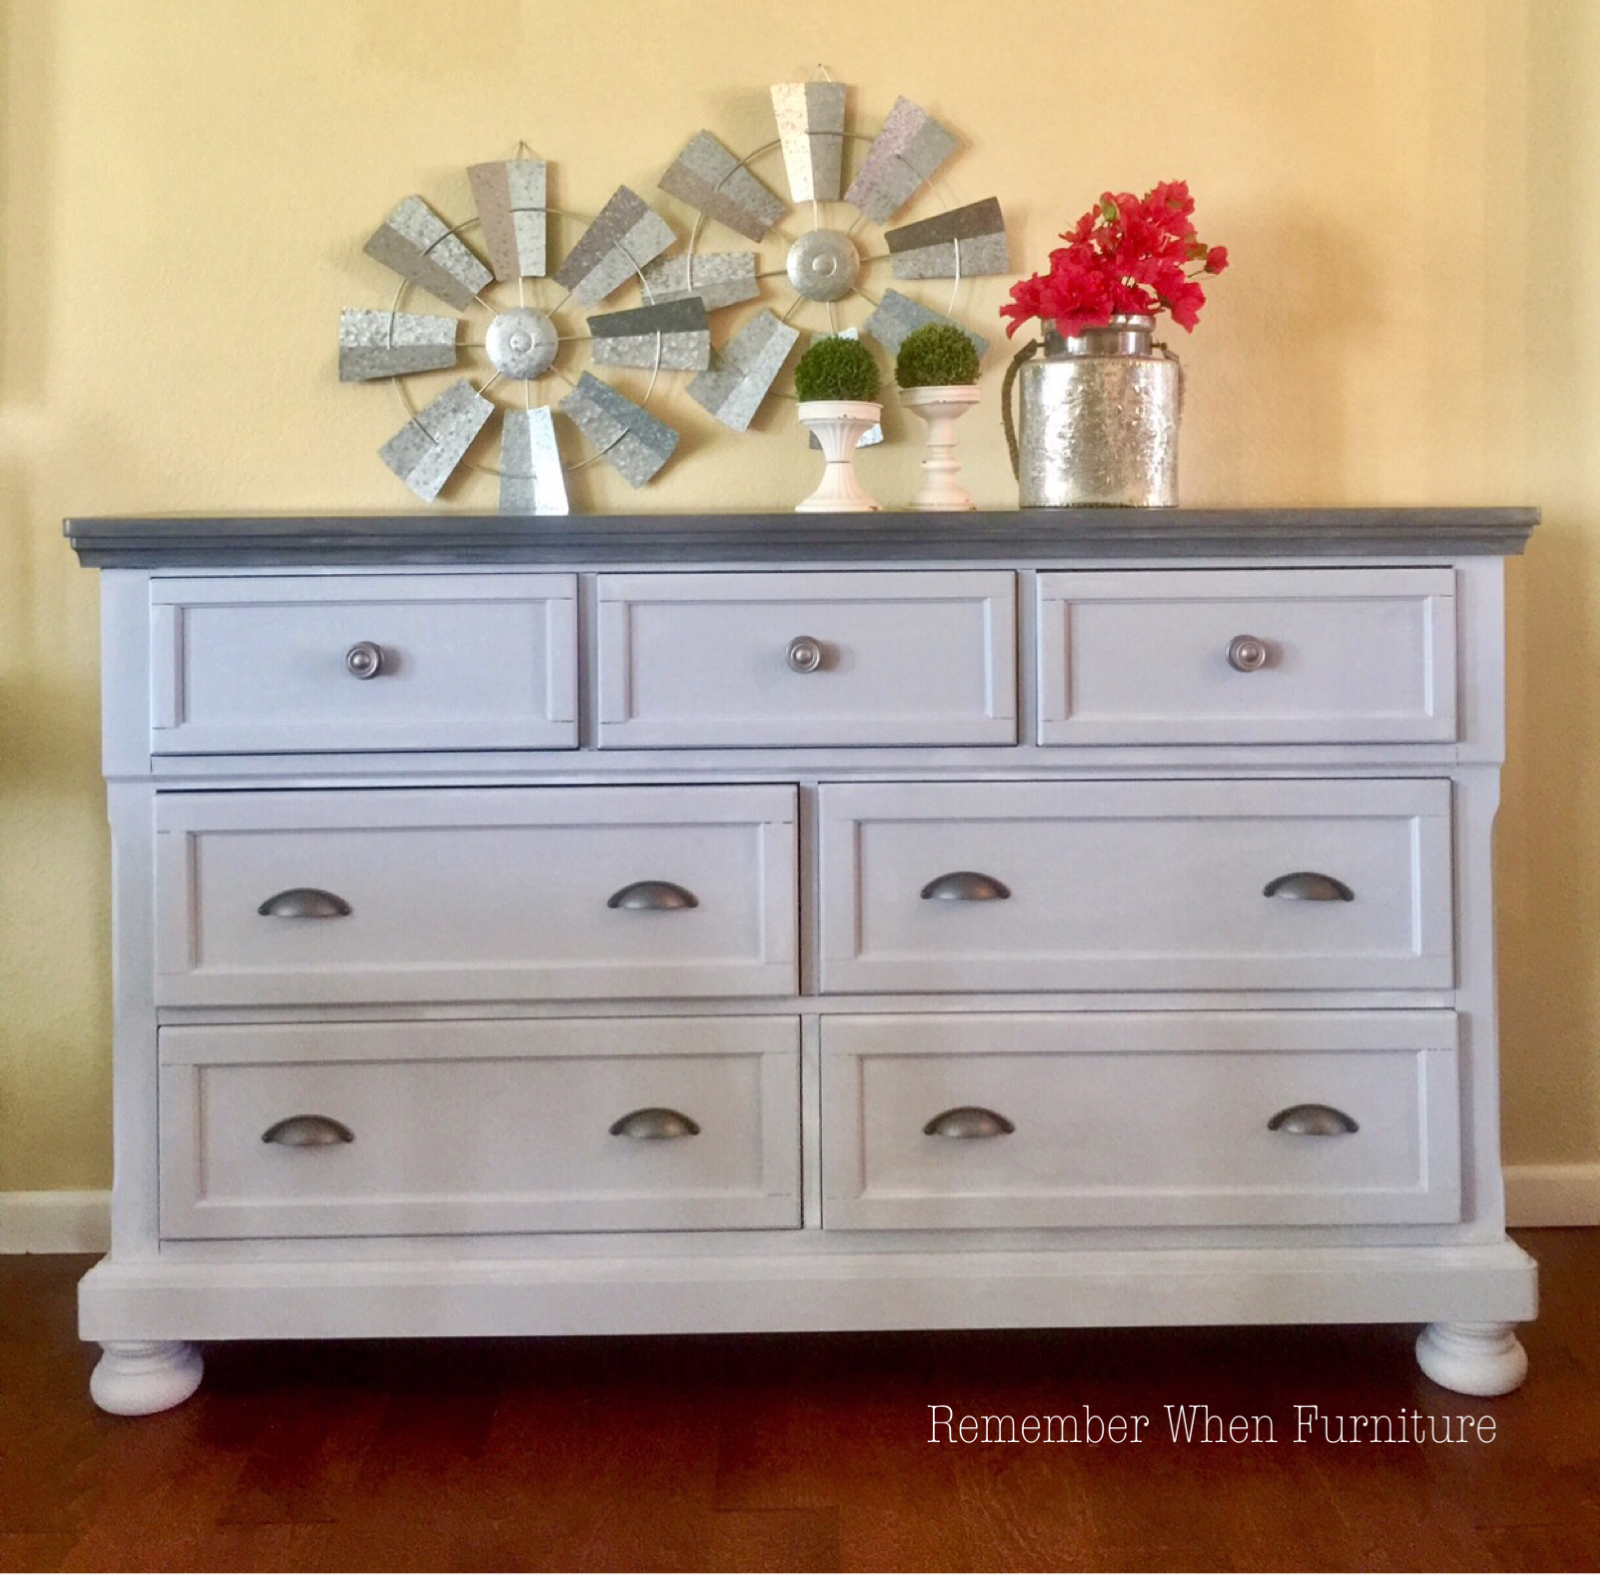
1536 1195
55 1221
1552 1195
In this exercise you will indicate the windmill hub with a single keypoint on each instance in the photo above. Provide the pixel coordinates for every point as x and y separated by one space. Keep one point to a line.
823 265
521 343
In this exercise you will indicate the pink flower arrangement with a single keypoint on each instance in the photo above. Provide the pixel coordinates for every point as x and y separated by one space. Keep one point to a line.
1127 254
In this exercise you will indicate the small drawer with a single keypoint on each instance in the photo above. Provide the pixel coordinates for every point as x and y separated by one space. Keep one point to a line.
270 664
1255 656
747 660
474 894
341 1129
1140 1119
1266 885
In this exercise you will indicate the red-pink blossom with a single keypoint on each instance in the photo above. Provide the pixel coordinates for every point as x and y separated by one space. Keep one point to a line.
1127 254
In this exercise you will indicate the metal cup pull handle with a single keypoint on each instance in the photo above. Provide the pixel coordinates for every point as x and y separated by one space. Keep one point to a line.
1308 886
305 902
308 1132
662 894
966 886
968 1121
1313 1121
655 1122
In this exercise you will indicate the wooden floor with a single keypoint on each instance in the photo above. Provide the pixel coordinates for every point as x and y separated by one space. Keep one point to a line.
791 1452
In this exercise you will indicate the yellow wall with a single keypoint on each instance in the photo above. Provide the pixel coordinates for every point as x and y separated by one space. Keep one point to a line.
1412 317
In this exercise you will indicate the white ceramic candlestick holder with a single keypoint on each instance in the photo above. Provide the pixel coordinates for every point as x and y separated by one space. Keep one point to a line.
941 408
839 425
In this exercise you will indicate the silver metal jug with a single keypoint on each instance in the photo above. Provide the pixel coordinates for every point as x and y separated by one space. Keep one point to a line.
1099 419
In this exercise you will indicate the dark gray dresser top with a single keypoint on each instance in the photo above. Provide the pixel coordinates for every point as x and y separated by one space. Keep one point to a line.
1001 536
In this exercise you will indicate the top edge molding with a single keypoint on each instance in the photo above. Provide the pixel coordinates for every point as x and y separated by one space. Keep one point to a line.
998 536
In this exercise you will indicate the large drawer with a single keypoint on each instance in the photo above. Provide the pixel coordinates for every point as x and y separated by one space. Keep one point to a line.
1254 656
412 1128
1304 1118
1182 885
743 660
269 663
474 894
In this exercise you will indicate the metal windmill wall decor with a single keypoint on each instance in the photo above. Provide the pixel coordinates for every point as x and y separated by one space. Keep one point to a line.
534 340
522 343
826 261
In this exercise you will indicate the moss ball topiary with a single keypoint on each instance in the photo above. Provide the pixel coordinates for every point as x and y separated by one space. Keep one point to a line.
836 368
936 356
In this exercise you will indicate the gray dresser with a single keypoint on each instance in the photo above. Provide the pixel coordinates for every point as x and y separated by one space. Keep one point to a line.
803 922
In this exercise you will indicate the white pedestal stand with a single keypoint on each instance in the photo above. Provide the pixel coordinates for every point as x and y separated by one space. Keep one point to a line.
839 425
941 408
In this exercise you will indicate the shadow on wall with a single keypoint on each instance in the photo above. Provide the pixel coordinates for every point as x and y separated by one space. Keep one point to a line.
1548 844
54 866
49 712
28 234
1548 837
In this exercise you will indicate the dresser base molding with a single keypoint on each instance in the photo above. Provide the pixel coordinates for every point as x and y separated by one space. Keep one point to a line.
1457 1287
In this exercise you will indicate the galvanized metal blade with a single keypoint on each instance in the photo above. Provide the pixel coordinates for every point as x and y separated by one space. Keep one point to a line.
744 369
390 344
425 451
631 440
510 195
626 234
959 244
911 146
897 315
810 118
418 245
672 335
718 278
531 479
708 177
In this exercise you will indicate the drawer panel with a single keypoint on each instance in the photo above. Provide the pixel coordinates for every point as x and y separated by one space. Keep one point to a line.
690 660
1139 1119
266 664
1347 656
488 1126
1135 885
474 894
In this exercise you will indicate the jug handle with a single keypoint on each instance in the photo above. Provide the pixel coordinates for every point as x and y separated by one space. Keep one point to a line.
1026 353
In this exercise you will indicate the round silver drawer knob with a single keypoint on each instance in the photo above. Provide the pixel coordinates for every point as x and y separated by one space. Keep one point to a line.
364 660
1247 654
804 654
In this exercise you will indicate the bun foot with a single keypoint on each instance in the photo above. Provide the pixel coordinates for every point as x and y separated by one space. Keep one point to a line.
141 1377
1473 1358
